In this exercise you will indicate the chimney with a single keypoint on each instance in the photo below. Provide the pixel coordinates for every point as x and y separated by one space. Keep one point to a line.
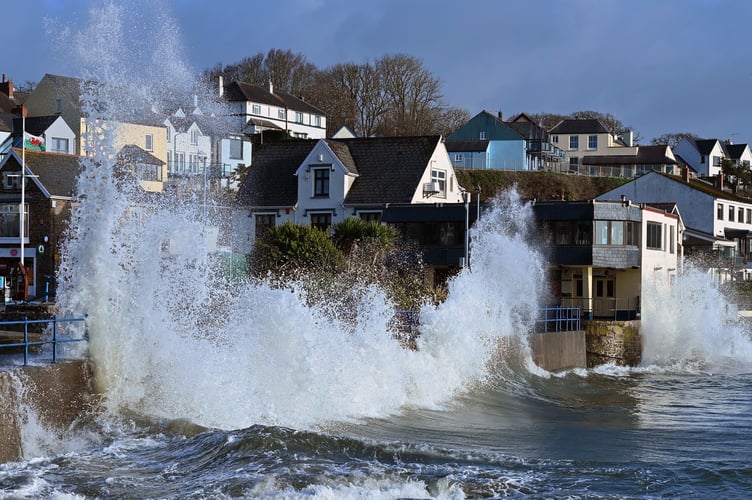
6 87
685 174
501 115
720 180
221 83
271 87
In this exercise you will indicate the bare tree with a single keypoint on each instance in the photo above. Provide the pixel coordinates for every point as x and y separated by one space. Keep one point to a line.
412 92
672 139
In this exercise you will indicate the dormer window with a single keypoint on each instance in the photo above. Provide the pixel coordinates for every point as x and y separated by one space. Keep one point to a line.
321 182
194 136
483 136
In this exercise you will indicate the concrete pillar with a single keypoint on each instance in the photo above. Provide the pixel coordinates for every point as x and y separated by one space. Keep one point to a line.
587 285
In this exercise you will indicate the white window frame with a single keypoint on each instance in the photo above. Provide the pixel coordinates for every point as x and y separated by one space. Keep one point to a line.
574 142
438 176
256 109
149 142
592 142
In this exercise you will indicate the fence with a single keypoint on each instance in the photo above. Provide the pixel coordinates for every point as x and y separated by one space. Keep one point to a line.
550 319
31 341
558 319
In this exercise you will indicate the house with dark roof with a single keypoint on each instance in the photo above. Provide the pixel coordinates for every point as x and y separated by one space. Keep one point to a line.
261 110
45 133
703 155
50 182
588 137
739 154
487 142
659 158
541 153
718 223
140 165
326 181
123 116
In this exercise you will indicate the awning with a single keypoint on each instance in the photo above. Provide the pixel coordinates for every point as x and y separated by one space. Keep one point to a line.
449 212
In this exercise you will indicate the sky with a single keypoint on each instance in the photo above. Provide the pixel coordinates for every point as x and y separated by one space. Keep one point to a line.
659 66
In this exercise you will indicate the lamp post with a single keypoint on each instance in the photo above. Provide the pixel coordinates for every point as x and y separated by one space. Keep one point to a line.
466 198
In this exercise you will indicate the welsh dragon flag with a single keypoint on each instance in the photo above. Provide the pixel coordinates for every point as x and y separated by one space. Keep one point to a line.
34 142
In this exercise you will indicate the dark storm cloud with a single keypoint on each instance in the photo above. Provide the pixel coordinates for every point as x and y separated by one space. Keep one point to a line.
659 66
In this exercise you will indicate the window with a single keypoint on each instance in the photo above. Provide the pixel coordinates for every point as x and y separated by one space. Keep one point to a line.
731 213
601 232
256 109
321 181
264 222
321 221
672 238
574 142
236 149
749 216
719 212
439 178
592 142
555 139
483 136
281 114
574 162
563 233
740 215
609 232
654 236
193 163
716 161
167 135
298 117
458 157
194 136
59 145
317 120
370 216
149 142
10 220
170 165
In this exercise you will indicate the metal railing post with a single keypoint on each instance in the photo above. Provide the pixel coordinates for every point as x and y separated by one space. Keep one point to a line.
26 340
54 339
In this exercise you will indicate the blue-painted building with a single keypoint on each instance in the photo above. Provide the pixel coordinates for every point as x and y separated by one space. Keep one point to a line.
487 142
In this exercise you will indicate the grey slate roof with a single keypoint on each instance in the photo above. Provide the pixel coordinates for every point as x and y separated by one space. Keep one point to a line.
242 91
735 150
572 126
35 125
646 155
130 153
705 146
389 169
57 172
271 180
466 146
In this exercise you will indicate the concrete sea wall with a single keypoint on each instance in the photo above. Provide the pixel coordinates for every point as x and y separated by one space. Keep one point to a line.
58 394
556 351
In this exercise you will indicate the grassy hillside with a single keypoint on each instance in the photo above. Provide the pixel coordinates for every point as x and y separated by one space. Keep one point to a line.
542 186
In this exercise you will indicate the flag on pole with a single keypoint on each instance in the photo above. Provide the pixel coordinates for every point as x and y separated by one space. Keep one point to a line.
34 142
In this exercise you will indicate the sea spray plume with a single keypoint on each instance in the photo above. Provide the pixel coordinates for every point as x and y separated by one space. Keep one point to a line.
692 325
494 299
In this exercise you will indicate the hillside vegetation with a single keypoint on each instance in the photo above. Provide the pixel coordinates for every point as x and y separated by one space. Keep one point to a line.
542 186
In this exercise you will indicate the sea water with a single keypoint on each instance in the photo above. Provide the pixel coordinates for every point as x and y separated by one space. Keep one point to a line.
225 388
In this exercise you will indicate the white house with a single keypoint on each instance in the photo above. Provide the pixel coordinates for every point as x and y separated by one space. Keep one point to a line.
703 155
326 181
259 110
716 220
46 133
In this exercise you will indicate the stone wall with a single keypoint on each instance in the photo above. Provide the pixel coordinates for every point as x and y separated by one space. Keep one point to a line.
616 342
58 394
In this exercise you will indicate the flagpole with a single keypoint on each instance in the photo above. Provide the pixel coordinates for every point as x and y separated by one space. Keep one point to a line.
22 208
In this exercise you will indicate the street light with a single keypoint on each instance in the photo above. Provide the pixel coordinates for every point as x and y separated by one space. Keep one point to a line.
466 199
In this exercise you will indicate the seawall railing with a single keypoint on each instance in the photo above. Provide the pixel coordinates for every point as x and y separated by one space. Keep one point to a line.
550 319
30 335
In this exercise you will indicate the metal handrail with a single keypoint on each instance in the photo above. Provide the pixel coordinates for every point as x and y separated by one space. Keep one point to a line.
559 319
53 340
